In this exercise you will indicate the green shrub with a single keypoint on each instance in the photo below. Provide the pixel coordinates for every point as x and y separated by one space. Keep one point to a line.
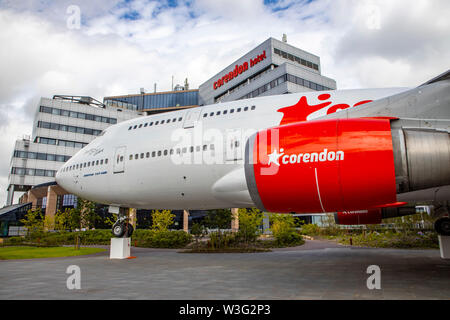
221 240
283 229
310 229
289 239
249 222
198 231
161 239
392 239
13 241
89 237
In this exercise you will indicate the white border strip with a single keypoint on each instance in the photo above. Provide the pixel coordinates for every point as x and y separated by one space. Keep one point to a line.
318 191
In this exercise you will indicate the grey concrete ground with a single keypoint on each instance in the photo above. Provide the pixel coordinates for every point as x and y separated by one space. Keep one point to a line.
317 270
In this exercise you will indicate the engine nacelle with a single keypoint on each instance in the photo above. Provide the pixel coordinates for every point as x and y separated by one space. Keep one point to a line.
371 216
322 166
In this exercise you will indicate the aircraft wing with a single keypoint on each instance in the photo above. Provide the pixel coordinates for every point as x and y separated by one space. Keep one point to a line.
441 77
430 100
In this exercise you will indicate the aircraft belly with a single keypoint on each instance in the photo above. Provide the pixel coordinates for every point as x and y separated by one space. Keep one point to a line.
158 185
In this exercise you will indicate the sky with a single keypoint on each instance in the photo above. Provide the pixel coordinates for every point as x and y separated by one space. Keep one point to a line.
105 47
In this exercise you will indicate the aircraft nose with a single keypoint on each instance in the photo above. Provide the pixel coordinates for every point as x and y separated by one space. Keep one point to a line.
59 179
62 177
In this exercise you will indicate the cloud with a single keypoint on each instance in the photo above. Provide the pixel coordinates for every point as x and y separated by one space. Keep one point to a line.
122 46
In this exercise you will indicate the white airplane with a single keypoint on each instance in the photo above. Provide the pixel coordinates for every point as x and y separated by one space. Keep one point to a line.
364 154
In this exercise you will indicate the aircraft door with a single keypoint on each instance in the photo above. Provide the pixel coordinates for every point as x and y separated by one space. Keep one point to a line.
192 116
233 145
119 160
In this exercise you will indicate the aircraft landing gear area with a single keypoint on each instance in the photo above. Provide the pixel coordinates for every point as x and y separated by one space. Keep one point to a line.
122 231
122 227
442 227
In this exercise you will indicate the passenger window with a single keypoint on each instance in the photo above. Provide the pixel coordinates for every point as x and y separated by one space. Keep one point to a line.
197 148
165 152
135 127
153 154
238 109
236 144
205 147
218 113
142 155
136 156
147 155
225 111
145 124
130 127
174 119
89 164
246 109
162 121
211 114
106 160
140 126
97 162
178 151
151 123
232 111
205 115
159 153
184 150
168 120
171 152
101 161
156 123
180 118
211 147
85 164
121 159
191 149
253 107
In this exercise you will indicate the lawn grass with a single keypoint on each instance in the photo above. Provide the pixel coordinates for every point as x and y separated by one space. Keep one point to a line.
28 252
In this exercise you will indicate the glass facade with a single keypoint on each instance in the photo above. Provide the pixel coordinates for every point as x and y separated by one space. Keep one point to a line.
40 156
63 127
59 142
33 172
78 115
155 101
291 57
286 77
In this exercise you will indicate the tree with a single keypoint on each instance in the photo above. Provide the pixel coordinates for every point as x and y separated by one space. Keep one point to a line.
197 231
283 229
33 222
250 221
67 220
220 219
162 220
86 211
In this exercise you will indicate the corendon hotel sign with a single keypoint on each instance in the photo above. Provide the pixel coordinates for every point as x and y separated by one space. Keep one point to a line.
238 69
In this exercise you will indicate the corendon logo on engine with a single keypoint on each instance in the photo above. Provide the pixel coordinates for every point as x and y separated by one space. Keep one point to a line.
307 157
301 110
